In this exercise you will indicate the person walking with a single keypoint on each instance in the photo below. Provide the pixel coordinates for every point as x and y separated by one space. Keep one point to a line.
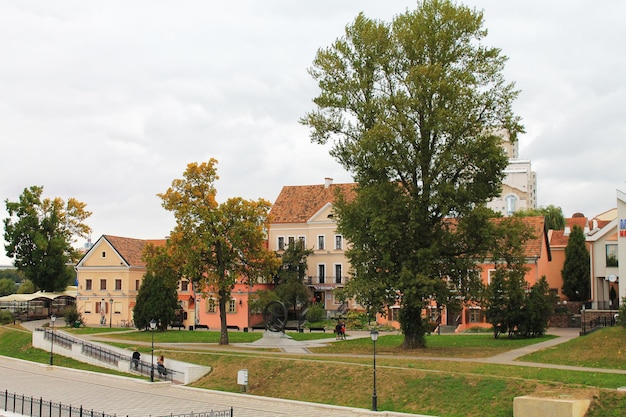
136 358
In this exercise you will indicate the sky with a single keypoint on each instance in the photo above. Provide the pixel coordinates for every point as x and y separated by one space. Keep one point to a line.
108 101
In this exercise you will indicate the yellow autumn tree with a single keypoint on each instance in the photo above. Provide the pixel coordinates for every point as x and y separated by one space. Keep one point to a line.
217 245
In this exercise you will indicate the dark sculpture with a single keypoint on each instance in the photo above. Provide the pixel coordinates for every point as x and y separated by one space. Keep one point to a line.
275 316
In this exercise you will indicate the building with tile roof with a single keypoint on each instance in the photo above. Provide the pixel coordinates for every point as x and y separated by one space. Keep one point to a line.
109 276
305 213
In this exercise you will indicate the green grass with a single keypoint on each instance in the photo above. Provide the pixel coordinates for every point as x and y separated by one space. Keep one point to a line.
604 348
407 381
457 346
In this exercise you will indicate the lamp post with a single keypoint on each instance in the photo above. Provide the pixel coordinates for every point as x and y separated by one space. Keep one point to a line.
52 319
110 313
374 336
153 324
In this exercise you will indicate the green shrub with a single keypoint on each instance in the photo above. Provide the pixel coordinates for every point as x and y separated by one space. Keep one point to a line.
316 313
72 316
6 317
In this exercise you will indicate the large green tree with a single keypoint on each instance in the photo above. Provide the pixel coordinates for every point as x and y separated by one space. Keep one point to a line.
217 244
576 272
39 235
415 110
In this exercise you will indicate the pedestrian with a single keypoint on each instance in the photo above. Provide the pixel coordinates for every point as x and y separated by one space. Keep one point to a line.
136 357
161 366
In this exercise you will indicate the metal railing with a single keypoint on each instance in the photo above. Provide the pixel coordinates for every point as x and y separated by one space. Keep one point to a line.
595 324
38 407
111 357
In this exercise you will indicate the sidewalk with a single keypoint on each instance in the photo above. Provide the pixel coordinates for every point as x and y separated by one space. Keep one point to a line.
134 398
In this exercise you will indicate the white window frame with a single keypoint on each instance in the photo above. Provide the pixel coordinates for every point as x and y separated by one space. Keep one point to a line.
280 239
321 273
338 268
338 242
321 242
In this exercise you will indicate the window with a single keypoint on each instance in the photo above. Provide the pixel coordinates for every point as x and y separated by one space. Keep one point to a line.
103 284
210 306
320 242
394 314
338 242
87 308
104 254
292 241
321 272
510 204
184 285
137 285
337 273
475 315
117 307
492 274
231 307
611 256
118 285
302 240
281 243
88 285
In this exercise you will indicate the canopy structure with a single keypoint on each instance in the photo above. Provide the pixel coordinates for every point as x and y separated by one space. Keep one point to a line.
38 305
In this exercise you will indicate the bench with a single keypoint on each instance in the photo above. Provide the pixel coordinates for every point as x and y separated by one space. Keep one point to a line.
321 329
179 325
201 326
233 327
258 326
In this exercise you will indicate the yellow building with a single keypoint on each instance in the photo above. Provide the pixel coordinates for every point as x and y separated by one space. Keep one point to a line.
109 276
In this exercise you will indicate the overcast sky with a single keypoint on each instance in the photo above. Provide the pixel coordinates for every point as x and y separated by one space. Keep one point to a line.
108 101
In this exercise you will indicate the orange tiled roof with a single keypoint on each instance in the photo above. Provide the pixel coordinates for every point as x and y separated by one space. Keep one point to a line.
558 238
131 250
298 203
581 222
533 246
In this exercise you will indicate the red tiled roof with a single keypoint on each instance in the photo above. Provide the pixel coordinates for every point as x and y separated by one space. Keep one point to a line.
132 249
533 246
298 203
558 238
581 222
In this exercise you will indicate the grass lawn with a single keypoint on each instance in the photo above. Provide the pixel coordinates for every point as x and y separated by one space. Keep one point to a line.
341 373
605 348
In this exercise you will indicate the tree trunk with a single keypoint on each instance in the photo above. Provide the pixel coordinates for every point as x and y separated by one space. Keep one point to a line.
223 297
412 327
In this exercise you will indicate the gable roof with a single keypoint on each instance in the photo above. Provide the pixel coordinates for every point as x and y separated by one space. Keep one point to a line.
131 250
298 203
533 246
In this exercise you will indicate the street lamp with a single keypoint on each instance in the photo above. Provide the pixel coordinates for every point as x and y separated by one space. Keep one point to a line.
153 324
52 319
110 313
374 336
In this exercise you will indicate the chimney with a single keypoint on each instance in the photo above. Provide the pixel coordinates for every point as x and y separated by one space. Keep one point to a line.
327 182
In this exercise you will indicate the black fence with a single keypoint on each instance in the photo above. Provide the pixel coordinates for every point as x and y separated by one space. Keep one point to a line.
111 357
597 323
38 407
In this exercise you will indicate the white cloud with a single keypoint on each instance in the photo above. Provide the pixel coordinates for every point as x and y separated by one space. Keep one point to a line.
107 102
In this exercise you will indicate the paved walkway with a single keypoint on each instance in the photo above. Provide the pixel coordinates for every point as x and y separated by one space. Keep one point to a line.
136 398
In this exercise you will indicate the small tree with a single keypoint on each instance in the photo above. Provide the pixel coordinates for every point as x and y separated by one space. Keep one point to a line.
576 273
157 297
538 310
290 287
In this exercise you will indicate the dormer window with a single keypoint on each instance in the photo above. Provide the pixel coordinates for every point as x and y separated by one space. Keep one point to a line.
104 254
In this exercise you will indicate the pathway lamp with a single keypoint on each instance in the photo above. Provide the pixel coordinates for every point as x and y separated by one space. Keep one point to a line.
374 336
52 319
153 324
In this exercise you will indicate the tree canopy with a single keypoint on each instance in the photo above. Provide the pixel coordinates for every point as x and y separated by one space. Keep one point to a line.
553 215
415 110
39 235
576 272
216 244
290 287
